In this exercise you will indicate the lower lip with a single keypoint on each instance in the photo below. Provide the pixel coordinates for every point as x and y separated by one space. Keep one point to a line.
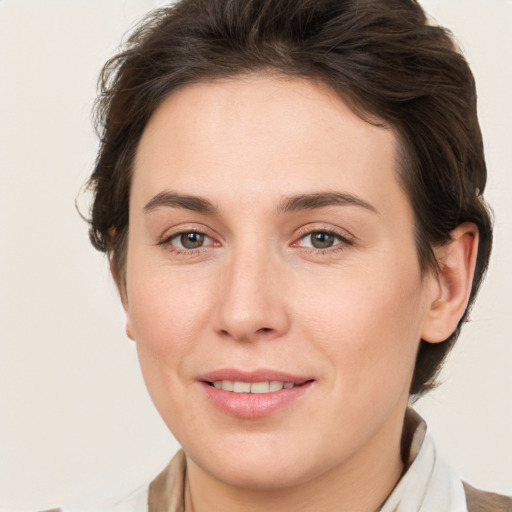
253 405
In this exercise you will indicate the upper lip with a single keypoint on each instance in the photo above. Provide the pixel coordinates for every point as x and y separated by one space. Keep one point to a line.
260 375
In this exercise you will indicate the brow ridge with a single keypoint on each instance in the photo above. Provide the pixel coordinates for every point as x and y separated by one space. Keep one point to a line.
321 200
288 204
177 200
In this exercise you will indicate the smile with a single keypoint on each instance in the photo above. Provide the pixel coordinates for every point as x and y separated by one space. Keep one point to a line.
252 387
253 394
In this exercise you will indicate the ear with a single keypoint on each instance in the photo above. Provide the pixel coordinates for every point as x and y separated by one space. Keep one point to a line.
452 283
121 288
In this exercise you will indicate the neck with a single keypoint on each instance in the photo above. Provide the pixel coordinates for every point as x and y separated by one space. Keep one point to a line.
360 483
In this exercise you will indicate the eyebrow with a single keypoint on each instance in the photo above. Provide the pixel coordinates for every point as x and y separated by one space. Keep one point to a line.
184 201
288 204
322 200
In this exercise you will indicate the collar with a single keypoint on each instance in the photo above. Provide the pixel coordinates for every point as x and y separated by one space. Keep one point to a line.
428 484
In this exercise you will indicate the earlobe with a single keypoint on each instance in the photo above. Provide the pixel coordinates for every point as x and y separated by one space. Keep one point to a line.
129 332
452 283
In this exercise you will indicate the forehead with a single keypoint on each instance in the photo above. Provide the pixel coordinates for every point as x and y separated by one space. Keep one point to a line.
274 134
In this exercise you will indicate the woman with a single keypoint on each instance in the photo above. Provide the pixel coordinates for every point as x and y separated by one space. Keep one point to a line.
290 195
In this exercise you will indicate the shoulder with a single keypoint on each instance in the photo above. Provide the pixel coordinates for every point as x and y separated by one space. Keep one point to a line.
483 501
165 492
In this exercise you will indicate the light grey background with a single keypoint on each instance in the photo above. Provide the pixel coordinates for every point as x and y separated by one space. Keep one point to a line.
75 418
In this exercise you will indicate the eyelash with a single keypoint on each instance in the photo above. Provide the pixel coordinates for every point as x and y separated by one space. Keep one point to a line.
342 241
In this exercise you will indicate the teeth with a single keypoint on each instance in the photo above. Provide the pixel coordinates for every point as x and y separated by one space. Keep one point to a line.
252 387
241 387
227 385
275 385
260 387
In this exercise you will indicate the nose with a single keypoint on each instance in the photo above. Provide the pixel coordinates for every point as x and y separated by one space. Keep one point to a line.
251 302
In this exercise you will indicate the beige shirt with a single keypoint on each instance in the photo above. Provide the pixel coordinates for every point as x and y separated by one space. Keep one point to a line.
427 484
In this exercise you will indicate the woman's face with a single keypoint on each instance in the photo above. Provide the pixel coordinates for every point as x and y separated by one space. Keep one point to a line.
270 244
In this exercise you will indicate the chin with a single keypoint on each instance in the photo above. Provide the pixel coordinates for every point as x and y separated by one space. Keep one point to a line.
268 463
260 474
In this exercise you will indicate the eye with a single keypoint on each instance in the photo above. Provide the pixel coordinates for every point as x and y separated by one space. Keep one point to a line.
322 240
189 240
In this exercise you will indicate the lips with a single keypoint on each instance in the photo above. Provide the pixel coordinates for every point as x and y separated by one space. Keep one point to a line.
254 394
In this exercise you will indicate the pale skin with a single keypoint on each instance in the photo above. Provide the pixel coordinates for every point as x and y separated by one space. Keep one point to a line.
244 171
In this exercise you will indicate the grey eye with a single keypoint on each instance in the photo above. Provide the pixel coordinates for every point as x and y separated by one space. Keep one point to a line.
322 239
191 240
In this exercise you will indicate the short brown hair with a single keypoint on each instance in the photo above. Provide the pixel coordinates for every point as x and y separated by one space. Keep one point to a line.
382 57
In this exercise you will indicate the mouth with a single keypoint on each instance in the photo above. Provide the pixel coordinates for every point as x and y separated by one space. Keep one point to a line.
236 386
256 394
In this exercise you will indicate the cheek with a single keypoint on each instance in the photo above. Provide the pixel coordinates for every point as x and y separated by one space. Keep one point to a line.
166 310
368 325
167 316
167 313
